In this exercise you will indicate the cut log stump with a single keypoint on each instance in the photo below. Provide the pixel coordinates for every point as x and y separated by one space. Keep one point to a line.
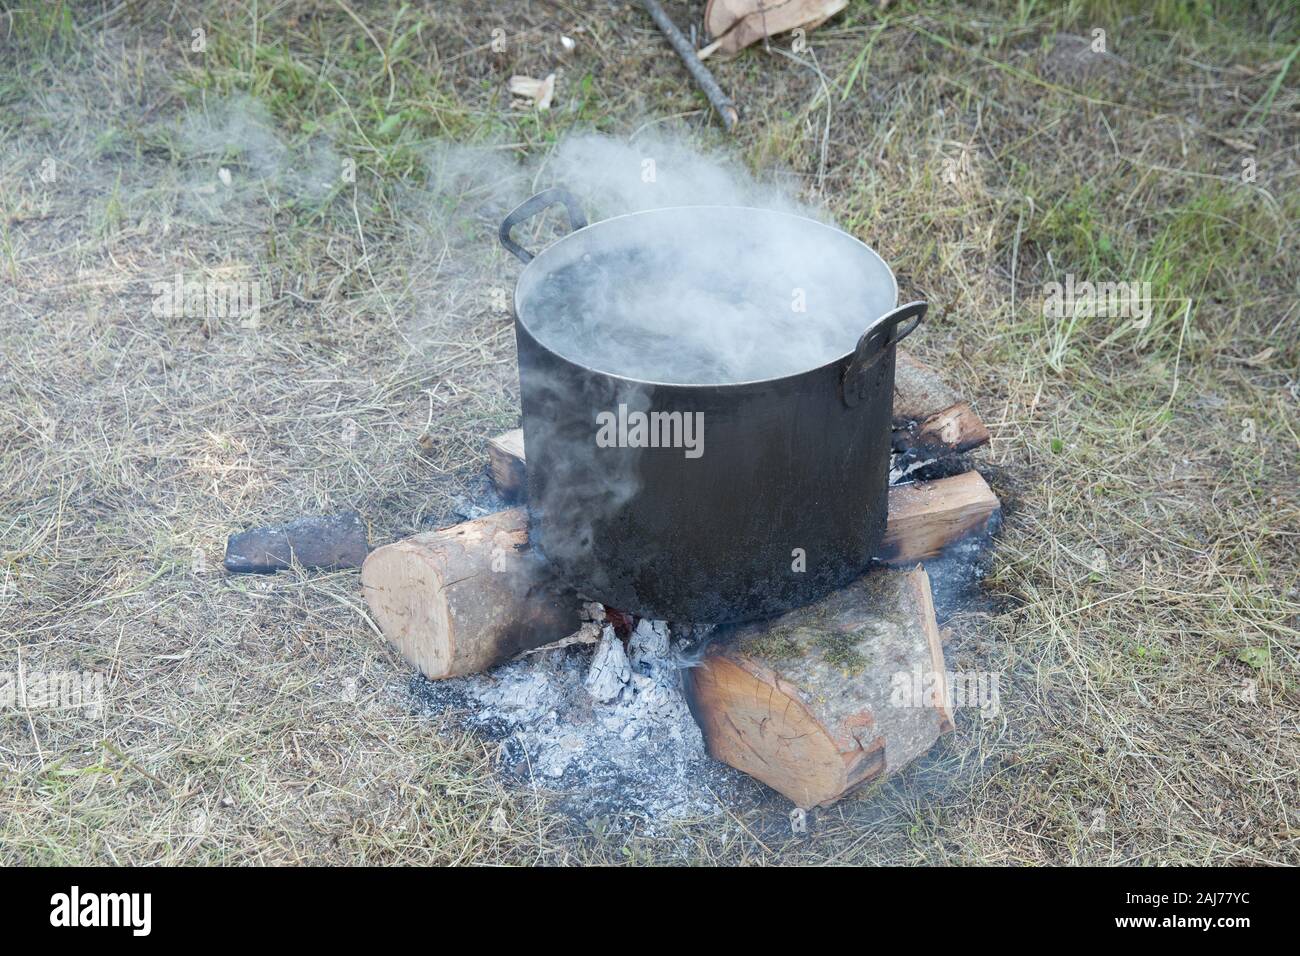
460 600
818 702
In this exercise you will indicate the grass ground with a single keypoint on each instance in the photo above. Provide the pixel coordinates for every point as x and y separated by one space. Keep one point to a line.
1147 585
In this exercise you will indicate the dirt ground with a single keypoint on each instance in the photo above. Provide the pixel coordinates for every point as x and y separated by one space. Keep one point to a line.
1143 611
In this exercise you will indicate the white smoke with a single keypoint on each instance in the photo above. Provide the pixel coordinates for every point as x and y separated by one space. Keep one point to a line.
236 153
654 171
689 297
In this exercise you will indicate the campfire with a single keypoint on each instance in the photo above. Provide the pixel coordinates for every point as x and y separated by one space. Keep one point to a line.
815 702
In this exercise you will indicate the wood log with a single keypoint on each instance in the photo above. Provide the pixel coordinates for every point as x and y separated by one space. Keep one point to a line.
316 542
956 428
506 464
927 516
818 702
460 600
951 431
438 600
931 420
919 392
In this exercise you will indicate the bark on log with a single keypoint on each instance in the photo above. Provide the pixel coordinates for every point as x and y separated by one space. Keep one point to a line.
460 600
317 542
919 392
931 420
810 703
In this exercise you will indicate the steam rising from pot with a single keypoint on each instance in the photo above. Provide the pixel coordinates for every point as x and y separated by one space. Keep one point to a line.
700 296
751 288
705 295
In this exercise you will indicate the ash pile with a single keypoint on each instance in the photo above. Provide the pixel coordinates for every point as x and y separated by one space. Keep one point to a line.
601 718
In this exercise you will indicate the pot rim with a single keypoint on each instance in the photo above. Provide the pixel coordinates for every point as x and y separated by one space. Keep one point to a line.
520 323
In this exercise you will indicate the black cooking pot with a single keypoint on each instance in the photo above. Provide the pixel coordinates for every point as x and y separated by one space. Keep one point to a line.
697 493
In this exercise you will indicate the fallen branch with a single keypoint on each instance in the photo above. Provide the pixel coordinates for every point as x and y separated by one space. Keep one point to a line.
721 103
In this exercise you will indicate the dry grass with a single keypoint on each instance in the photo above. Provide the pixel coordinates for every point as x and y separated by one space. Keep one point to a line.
1146 579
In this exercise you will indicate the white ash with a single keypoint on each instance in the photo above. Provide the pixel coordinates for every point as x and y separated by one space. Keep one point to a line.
610 670
608 727
649 645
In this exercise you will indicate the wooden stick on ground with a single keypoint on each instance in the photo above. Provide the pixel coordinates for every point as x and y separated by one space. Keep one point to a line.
721 103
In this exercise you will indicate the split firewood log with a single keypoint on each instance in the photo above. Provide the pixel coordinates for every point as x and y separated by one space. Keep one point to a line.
819 701
925 517
930 419
506 464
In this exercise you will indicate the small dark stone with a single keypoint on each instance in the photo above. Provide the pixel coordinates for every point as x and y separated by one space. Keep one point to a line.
318 542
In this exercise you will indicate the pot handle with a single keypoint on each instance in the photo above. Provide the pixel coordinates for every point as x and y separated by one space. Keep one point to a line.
882 336
531 207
